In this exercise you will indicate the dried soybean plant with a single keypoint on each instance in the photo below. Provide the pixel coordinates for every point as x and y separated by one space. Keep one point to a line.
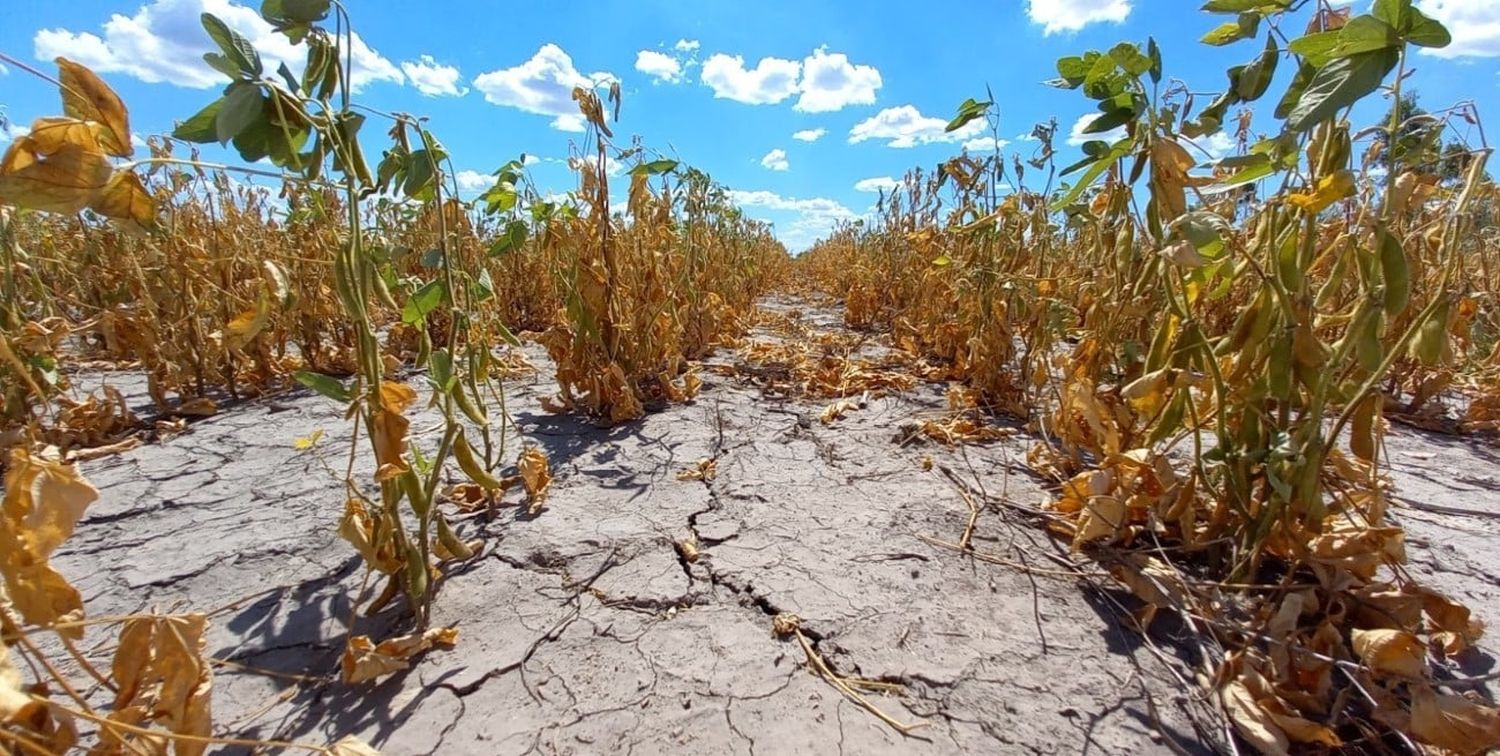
644 297
1211 350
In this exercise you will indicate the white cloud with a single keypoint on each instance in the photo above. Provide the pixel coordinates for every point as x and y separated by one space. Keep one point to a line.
775 160
686 45
905 126
830 82
771 81
432 78
811 219
542 85
987 145
659 66
1076 137
809 135
13 131
876 184
165 42
1071 15
473 181
1216 146
825 81
530 159
3 70
1475 25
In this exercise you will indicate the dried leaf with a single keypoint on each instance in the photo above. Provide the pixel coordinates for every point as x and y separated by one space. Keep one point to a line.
1331 188
363 660
1253 723
351 746
125 198
43 501
535 476
64 181
1390 651
85 96
1454 723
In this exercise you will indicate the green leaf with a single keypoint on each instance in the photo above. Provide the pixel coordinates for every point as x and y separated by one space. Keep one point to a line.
1294 91
1130 58
235 47
484 286
968 111
305 11
1365 34
1245 27
243 106
441 374
1154 52
513 237
1427 32
1256 77
418 173
1120 149
1317 48
422 302
1394 12
323 384
1258 167
223 65
1340 84
201 127
1244 6
942 261
654 168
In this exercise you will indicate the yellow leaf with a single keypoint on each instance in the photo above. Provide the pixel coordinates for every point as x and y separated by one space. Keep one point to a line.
363 660
388 430
87 97
1454 723
535 475
1331 188
1390 651
125 198
63 181
308 441
15 704
1253 723
351 746
247 325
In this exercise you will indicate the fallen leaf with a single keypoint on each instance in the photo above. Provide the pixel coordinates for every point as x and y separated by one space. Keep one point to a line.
1390 651
1454 723
363 660
535 476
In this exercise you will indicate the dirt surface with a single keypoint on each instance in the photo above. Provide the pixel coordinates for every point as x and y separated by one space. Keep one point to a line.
585 630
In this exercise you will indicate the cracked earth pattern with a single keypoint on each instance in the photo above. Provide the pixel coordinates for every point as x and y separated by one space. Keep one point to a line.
583 630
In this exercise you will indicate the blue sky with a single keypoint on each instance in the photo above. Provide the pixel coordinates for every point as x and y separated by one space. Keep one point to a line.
802 108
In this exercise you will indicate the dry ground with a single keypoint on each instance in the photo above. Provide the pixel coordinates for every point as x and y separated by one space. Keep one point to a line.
584 630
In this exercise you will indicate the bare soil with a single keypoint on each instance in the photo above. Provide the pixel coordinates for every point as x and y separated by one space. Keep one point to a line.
585 630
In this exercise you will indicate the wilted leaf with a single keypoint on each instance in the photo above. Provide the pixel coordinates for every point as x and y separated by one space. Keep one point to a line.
125 198
351 746
363 660
1391 651
85 96
63 181
1454 723
1331 188
535 476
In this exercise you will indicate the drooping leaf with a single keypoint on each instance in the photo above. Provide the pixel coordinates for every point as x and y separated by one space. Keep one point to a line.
126 198
235 47
86 97
1340 84
326 385
243 106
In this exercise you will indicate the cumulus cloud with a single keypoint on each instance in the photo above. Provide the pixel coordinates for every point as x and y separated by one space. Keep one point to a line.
1076 137
830 82
905 126
876 184
661 67
986 144
542 85
775 160
1217 145
432 78
473 181
1071 15
807 220
686 45
11 130
3 70
823 81
1475 25
165 42
809 135
771 81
